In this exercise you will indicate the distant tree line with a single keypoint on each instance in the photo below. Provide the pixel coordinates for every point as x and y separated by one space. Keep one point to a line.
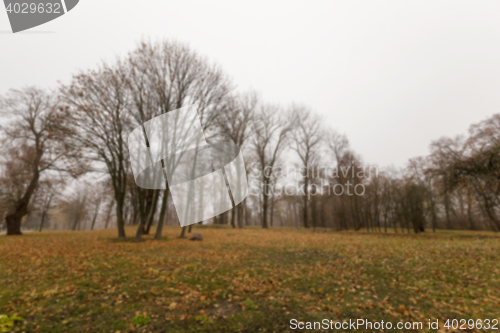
77 134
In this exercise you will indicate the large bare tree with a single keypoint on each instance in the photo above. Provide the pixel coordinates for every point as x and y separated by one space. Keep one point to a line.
98 110
34 135
164 76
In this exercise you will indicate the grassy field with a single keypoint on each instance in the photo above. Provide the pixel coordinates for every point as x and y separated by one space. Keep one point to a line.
248 280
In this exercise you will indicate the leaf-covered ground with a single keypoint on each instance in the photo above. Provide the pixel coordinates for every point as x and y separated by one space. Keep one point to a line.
244 280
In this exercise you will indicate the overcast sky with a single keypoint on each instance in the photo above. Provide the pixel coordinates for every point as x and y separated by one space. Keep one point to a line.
392 75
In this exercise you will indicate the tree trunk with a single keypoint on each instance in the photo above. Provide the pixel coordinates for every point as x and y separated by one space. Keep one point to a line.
44 214
305 217
120 222
43 220
469 210
109 214
152 212
272 212
163 211
14 219
233 215
77 220
147 210
183 232
13 222
264 212
447 209
98 204
240 215
314 213
139 232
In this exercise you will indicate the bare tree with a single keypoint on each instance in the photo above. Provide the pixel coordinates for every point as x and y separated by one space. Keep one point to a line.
235 122
34 134
98 110
444 153
272 131
307 138
166 76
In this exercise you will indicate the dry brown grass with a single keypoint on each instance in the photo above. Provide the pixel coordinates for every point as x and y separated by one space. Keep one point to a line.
244 279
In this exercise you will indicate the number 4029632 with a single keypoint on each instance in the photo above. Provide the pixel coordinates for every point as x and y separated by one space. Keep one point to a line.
471 324
26 8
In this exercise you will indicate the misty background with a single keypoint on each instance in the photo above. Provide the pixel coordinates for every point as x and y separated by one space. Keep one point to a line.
392 76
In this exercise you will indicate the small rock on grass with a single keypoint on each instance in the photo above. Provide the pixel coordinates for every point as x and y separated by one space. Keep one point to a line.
196 237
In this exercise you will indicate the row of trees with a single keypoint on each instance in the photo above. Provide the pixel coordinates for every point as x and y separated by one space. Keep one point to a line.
455 187
50 138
